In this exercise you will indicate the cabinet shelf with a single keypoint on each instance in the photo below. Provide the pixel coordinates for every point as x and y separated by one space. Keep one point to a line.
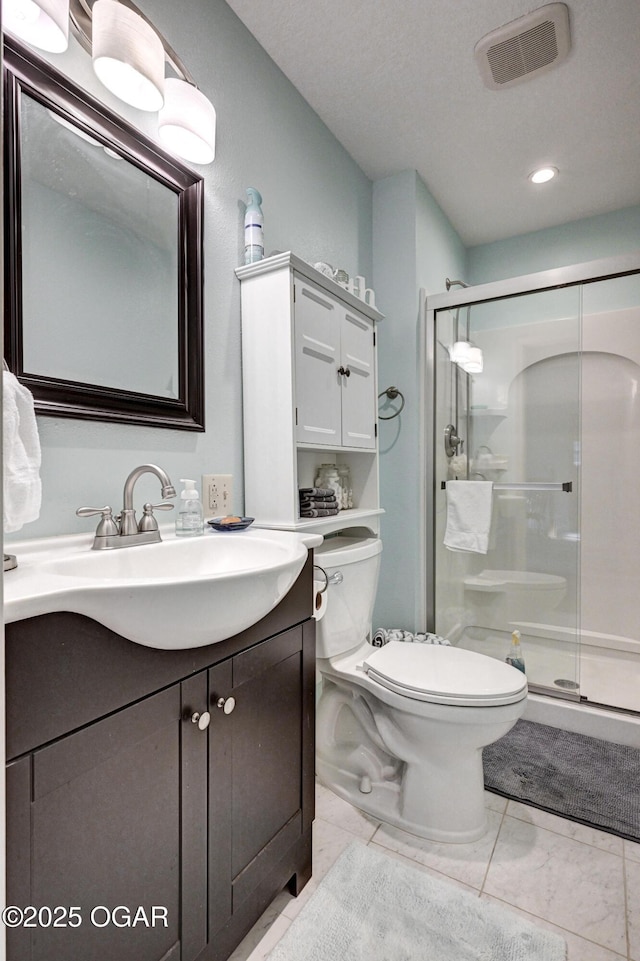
354 517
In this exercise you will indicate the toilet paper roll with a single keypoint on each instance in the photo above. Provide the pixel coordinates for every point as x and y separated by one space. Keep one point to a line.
319 600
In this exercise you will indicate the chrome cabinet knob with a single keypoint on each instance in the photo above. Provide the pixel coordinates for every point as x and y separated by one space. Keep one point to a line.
202 720
226 703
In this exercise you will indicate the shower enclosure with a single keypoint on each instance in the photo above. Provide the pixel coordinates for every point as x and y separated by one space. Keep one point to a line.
536 388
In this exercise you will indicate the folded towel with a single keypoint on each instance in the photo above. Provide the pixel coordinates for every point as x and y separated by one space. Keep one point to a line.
469 506
21 450
316 492
309 499
316 502
382 636
318 512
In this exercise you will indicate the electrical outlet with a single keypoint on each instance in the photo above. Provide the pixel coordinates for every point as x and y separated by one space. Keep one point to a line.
216 494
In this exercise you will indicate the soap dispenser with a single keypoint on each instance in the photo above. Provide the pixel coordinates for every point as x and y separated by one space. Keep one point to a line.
190 518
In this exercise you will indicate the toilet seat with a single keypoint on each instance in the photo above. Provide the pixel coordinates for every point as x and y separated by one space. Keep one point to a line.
445 675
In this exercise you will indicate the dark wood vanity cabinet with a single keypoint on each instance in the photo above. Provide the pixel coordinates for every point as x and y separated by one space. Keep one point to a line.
167 836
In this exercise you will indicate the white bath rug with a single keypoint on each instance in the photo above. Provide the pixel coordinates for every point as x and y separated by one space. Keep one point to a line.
371 907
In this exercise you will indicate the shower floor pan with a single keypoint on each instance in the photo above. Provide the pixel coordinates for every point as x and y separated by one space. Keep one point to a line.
604 668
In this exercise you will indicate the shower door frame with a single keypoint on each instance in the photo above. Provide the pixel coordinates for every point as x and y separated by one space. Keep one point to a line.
571 276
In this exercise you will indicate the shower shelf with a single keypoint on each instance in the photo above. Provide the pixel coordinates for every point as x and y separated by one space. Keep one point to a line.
566 486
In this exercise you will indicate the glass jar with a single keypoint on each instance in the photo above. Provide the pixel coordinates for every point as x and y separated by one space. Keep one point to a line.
328 477
344 475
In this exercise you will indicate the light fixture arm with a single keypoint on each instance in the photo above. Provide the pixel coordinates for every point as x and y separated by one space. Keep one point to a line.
80 19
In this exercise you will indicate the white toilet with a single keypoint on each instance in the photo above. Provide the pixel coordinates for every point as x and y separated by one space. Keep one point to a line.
400 729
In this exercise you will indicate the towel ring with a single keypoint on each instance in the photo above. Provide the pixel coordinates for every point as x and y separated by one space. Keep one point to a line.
392 393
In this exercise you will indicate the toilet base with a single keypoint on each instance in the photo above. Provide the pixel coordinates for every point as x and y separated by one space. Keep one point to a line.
384 803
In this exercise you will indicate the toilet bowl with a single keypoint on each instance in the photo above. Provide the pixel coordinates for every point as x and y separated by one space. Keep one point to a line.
400 729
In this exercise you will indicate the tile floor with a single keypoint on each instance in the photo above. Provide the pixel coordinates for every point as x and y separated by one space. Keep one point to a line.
583 884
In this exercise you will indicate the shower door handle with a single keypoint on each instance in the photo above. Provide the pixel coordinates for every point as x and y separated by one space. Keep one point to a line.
451 440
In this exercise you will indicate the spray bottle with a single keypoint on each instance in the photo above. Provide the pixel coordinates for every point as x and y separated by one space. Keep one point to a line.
253 224
516 657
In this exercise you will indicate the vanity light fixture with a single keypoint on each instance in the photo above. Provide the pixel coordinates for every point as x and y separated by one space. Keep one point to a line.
543 175
467 356
42 23
129 57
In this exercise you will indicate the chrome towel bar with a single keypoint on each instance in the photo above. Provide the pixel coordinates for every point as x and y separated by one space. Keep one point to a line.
566 486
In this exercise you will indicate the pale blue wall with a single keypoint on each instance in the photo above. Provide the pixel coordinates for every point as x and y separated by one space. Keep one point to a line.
317 202
414 246
573 243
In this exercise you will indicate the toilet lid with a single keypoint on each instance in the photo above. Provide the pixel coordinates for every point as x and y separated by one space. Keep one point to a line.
445 675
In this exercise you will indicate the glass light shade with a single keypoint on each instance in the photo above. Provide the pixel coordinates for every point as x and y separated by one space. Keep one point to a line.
128 55
474 362
459 352
466 355
43 24
187 122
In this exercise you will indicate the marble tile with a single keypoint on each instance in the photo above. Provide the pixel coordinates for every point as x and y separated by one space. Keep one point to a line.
334 809
632 870
495 802
464 862
571 884
577 948
261 939
631 850
570 829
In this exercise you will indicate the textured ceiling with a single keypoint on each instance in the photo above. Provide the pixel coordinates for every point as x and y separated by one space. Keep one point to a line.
397 84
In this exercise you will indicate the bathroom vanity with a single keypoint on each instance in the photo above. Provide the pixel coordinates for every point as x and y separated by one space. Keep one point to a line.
176 786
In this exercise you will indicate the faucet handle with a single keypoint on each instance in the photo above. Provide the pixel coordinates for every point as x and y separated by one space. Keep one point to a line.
107 525
147 521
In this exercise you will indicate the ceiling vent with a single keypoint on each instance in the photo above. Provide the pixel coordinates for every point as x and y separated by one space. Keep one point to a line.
530 45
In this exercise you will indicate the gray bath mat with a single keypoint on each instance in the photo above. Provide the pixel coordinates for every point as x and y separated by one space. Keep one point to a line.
371 907
578 777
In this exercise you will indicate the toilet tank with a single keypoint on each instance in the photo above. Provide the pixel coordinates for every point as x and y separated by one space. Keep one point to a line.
352 565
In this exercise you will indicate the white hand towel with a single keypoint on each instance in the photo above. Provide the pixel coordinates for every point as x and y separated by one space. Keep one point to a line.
21 450
469 506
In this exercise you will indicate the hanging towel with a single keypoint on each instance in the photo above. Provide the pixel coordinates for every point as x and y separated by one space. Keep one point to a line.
21 450
468 516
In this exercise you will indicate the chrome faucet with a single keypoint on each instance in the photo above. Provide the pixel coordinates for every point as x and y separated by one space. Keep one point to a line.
122 530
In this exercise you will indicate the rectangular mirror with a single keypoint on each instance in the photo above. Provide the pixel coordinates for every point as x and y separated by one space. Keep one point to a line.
103 239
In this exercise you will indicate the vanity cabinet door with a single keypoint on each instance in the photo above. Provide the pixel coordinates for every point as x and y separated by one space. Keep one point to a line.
99 814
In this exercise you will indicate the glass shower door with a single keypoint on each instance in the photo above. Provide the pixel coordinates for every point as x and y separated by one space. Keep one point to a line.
514 422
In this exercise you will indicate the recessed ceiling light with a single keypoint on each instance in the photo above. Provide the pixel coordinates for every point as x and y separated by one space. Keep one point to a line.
543 175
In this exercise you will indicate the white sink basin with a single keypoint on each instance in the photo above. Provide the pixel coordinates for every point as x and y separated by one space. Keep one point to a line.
180 593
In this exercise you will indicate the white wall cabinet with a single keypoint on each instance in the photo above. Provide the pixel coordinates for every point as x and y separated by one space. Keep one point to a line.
309 392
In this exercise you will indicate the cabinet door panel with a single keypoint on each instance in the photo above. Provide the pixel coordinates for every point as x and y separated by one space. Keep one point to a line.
109 833
358 390
317 348
267 738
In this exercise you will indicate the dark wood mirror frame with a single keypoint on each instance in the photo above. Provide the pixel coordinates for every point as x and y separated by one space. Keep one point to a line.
24 72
